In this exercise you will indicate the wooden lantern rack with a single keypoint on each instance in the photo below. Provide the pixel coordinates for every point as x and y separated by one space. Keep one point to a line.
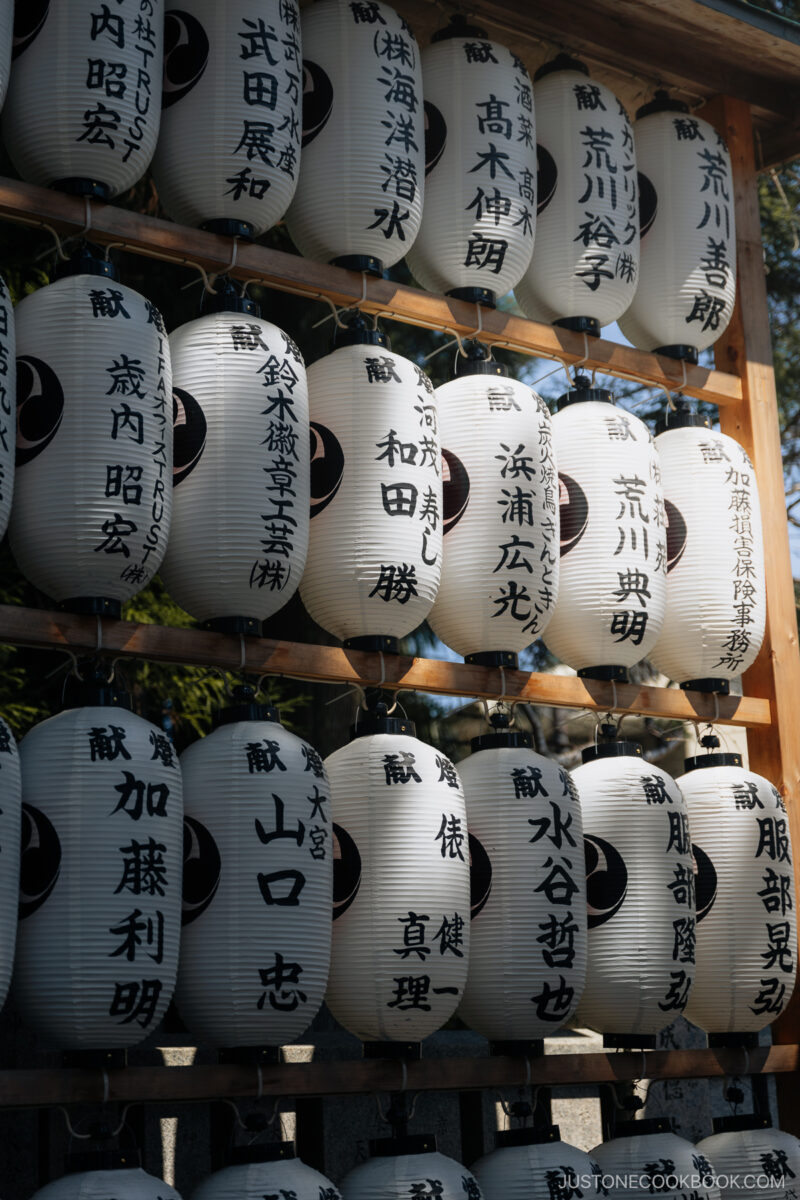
718 44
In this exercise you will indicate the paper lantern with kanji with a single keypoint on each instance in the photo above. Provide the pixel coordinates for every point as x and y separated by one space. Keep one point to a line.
752 1160
648 1155
401 883
84 98
239 534
270 1170
6 40
410 1166
687 273
746 912
93 494
257 883
639 892
121 1183
228 152
716 596
8 388
500 561
612 578
533 1162
10 823
527 961
375 546
100 879
585 264
358 201
476 237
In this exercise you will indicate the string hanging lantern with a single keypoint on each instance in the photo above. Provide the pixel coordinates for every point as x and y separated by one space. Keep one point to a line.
648 1154
228 153
11 818
410 1166
500 554
746 1150
270 1170
8 389
532 1162
478 222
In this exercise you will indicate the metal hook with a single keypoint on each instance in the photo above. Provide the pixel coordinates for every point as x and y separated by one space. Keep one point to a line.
106 1087
232 263
333 313
99 645
243 652
73 1133
87 224
260 1076
479 330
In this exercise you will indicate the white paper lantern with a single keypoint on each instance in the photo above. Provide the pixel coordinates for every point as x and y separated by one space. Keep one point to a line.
751 1161
375 547
260 1171
585 264
401 883
84 99
122 1184
239 534
6 41
10 821
500 559
8 389
412 1166
639 893
100 881
92 495
258 881
228 152
527 962
358 201
716 596
479 219
687 274
534 1162
646 1155
746 913
612 579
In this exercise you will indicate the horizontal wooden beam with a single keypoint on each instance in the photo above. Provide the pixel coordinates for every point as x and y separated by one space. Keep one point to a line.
330 664
164 240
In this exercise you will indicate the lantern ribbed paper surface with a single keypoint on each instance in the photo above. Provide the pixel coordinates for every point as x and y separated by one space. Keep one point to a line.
92 497
585 264
229 147
639 893
612 580
133 1184
6 40
716 596
239 532
768 1159
746 912
258 880
394 1177
526 1165
100 882
84 99
687 275
401 887
479 216
375 547
500 561
655 1162
283 1178
10 821
359 195
527 960
8 390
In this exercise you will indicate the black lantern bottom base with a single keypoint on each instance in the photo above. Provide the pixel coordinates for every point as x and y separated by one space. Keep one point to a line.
230 228
94 1060
367 263
249 1056
493 658
686 354
722 687
722 1041
630 1041
76 186
410 1051
92 606
474 295
605 674
373 642
516 1048
250 626
589 325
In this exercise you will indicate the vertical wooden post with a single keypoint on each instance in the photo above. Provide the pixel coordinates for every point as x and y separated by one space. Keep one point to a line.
746 350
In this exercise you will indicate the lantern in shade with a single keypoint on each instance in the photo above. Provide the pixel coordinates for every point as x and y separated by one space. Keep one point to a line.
8 387
239 532
527 959
375 548
257 881
533 1162
499 580
716 597
271 1170
639 892
476 237
648 1154
401 883
92 498
121 1183
100 71
6 39
10 821
100 878
744 1148
746 914
229 147
585 264
612 578
687 274
410 1166
358 201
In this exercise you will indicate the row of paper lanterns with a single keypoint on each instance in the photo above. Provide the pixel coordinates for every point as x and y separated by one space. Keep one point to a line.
240 96
742 1160
491 889
467 506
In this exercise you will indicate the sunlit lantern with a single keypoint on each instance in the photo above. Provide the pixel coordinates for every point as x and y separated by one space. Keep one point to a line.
358 201
648 1154
411 1166
476 237
10 821
8 388
271 1170
131 1183
752 1160
533 1162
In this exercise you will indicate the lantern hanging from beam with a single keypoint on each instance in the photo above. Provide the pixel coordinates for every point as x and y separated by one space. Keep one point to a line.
746 1148
409 1166
266 1170
358 201
500 559
401 883
93 496
228 153
585 264
123 1183
258 879
533 1162
687 273
479 218
84 98
10 825
647 1154
8 391
239 531
612 577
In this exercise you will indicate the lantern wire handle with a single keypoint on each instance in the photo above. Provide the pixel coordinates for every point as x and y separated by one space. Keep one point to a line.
242 653
333 313
73 1133
455 340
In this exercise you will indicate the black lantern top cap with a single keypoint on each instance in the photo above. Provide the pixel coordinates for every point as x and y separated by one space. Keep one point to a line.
377 720
607 746
356 332
92 688
415 1143
265 1153
562 62
246 708
681 416
641 1128
475 360
538 1135
459 27
583 390
86 260
225 298
501 736
661 102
